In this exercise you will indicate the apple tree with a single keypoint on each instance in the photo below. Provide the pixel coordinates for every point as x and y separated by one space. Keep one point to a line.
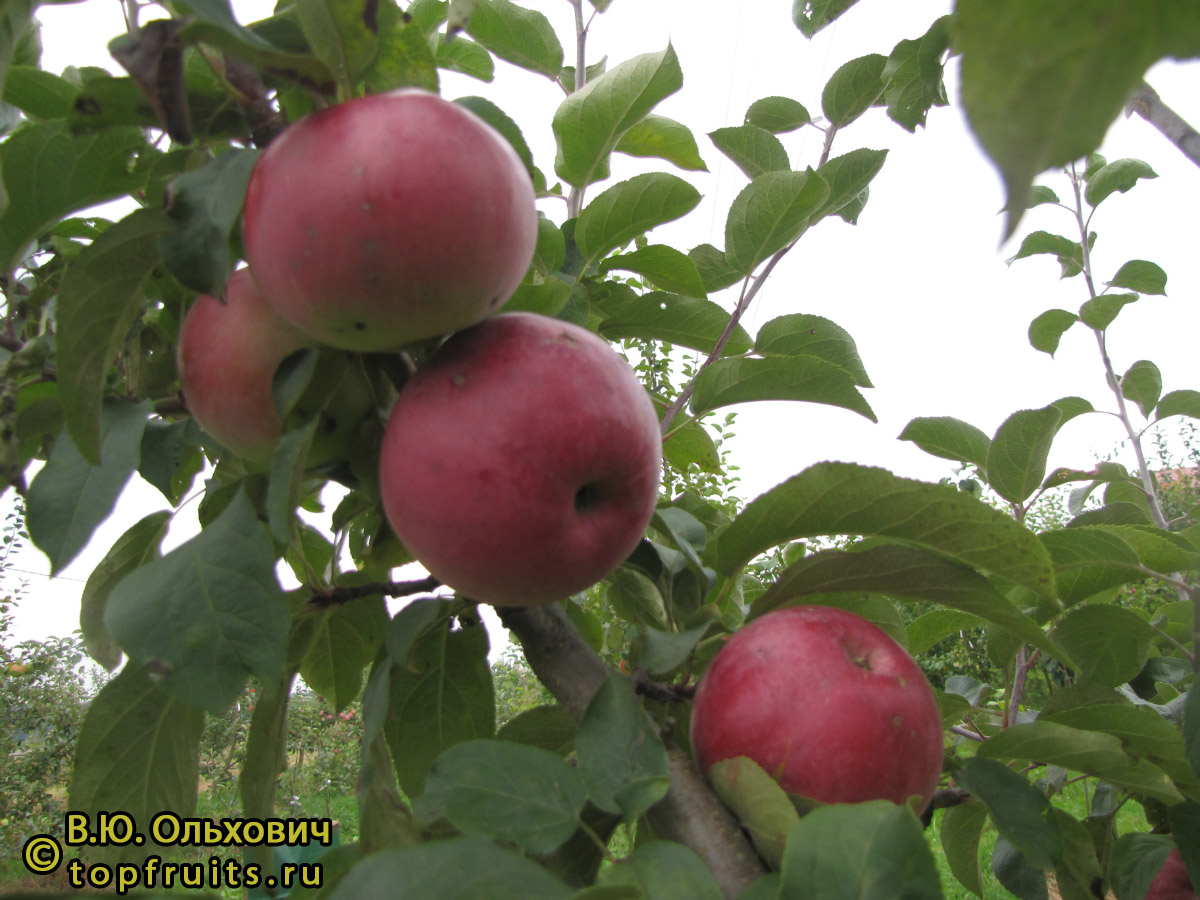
449 805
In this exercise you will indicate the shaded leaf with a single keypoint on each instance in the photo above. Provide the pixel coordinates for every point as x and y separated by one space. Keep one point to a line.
808 378
1047 330
1119 176
1021 813
1140 276
769 213
913 75
1178 403
664 267
949 438
801 334
665 870
1110 644
777 115
1099 312
663 138
1016 458
630 209
522 36
684 321
853 89
811 16
754 150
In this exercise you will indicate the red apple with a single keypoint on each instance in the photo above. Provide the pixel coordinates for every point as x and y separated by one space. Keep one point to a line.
1172 881
389 219
827 703
228 353
520 465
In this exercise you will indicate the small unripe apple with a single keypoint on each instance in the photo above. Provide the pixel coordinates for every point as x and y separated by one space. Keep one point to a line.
1172 881
228 353
520 465
389 219
827 703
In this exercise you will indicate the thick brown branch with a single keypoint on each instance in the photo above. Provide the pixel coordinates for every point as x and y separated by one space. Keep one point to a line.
1147 104
690 813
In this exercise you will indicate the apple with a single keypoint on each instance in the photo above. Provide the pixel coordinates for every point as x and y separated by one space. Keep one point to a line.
1172 881
520 465
827 703
389 219
228 353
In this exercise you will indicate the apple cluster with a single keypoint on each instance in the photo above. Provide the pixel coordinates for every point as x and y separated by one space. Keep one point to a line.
520 463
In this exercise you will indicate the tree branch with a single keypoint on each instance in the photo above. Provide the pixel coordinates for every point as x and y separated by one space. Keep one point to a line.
1147 104
340 595
690 813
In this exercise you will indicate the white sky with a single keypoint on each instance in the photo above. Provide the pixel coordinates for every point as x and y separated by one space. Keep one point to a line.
920 283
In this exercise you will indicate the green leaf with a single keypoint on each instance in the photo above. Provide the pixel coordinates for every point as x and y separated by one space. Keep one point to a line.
769 213
761 806
662 138
465 56
1047 329
1142 383
1016 873
523 37
461 868
1021 812
960 831
206 205
509 792
853 89
903 572
1036 101
1134 861
98 302
1109 644
345 642
137 752
589 123
1120 176
913 76
664 267
70 497
665 651
500 120
949 438
811 16
754 150
132 550
442 696
343 34
384 820
714 267
1099 312
38 94
1140 276
801 334
1178 403
15 16
405 57
665 870
629 209
1090 752
1069 253
860 851
1016 458
207 614
692 444
1088 561
1191 729
843 498
1142 732
678 320
621 759
265 754
777 115
935 625
848 176
548 727
808 378
49 173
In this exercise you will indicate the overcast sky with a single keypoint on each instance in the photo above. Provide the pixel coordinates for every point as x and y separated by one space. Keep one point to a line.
921 283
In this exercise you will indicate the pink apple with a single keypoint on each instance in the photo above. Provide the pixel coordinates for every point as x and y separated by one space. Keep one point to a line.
228 353
389 219
521 464
827 703
1172 881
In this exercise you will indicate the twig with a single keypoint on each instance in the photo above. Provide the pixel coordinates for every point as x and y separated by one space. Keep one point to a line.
661 691
1147 104
340 595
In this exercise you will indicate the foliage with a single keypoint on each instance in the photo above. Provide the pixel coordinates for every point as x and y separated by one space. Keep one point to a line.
412 710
